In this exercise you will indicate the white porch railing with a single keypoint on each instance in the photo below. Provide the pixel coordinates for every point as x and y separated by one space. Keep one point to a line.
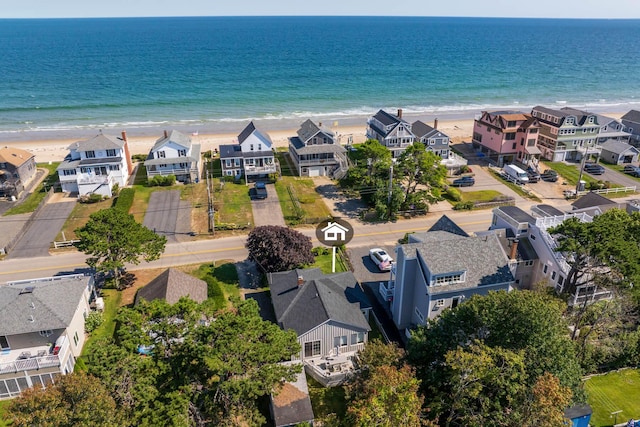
35 363
173 171
260 169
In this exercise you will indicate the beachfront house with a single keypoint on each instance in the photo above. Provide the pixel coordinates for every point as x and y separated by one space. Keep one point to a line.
174 154
611 130
507 137
393 132
41 330
631 121
96 165
433 139
566 134
252 157
17 169
316 152
440 269
328 312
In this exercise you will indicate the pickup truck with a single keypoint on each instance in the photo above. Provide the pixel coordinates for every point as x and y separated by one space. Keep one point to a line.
260 190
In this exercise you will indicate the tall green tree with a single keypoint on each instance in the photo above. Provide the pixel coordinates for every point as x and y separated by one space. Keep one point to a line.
521 322
113 238
73 400
420 173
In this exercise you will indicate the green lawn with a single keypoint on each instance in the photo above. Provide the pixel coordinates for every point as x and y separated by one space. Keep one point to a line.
224 274
34 199
107 328
324 261
310 205
3 412
232 203
327 401
480 196
79 217
615 391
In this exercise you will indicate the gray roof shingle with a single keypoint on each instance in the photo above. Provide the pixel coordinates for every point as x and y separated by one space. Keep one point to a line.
50 305
632 116
98 142
308 129
320 298
171 285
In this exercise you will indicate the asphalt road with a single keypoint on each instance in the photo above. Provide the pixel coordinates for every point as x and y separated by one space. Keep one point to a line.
42 231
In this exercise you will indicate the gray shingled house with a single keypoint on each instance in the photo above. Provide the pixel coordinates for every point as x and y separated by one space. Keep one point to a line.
41 330
631 121
619 152
171 285
316 152
441 268
17 168
393 132
328 312
433 139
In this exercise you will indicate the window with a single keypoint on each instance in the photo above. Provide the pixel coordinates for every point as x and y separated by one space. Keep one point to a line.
90 154
111 153
4 343
455 302
340 341
251 147
161 155
533 130
46 333
513 146
236 162
440 303
531 142
511 123
312 349
419 314
75 338
227 163
182 153
553 275
68 172
114 167
357 338
510 136
545 268
450 278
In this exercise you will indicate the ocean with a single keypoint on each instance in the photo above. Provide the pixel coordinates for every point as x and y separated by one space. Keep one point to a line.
63 77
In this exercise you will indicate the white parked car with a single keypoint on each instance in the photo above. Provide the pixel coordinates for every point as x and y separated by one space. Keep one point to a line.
381 259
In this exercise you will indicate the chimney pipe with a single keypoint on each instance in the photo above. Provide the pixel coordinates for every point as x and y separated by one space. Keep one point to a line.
435 123
399 113
300 281
124 135
513 255
166 134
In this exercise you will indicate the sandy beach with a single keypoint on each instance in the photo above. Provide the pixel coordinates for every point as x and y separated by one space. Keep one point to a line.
53 150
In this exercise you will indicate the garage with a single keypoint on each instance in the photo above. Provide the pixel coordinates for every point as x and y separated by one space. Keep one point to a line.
316 171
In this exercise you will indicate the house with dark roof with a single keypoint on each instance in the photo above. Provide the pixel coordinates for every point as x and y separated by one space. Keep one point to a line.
171 285
315 151
619 152
328 312
433 139
96 165
631 121
17 169
507 137
567 133
41 330
174 154
390 130
441 268
252 157
611 130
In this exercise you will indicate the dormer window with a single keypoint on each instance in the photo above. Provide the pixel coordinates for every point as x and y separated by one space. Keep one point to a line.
447 279
182 153
591 119
90 154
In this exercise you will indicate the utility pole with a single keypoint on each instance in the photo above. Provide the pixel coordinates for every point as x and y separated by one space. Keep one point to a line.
212 226
390 188
584 158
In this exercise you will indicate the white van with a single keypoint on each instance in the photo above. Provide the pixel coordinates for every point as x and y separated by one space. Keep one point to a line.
517 174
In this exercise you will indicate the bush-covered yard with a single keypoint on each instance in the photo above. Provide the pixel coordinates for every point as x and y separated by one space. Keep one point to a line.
615 391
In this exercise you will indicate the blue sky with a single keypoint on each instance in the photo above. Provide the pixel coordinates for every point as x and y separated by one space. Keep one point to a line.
485 8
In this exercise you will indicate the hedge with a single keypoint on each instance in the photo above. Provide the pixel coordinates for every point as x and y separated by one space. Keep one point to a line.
125 199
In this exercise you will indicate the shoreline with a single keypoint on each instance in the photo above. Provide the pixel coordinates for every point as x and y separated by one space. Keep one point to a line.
54 146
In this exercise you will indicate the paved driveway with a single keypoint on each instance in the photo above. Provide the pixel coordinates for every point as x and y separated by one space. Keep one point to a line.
44 228
168 216
267 211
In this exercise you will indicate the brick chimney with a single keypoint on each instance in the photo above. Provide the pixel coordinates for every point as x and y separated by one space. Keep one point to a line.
300 281
399 113
126 152
435 123
513 255
166 134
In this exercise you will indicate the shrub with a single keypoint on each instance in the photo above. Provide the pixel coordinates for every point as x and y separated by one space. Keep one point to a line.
94 319
214 292
462 206
454 194
125 199
162 181
320 250
91 198
139 157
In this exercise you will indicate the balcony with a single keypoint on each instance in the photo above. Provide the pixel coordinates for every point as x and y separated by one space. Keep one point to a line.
34 358
172 171
90 179
250 169
386 290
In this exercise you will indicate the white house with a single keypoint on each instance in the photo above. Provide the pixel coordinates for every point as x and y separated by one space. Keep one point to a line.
41 330
174 154
96 165
252 157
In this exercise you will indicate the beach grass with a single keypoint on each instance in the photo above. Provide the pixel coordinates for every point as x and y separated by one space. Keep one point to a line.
299 200
232 203
615 391
33 200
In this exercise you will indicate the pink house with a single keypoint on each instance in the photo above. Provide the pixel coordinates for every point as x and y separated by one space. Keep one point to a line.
507 137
